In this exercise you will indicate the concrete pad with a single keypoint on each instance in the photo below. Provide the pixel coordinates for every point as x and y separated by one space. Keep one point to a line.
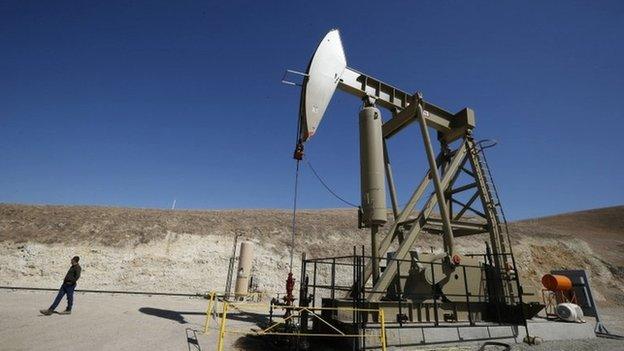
415 336
555 330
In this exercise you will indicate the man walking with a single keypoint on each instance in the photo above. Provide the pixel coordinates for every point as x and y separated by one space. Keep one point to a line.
69 284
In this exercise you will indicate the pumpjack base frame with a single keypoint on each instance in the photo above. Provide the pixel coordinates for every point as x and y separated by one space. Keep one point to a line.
414 336
431 313
417 333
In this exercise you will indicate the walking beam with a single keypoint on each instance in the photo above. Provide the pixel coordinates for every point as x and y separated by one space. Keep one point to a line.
403 106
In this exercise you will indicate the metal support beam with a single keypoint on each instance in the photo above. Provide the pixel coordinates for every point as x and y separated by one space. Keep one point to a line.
390 180
446 152
464 188
403 251
401 104
460 228
467 205
468 172
439 190
385 243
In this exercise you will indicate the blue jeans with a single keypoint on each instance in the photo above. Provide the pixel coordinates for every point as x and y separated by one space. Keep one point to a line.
65 289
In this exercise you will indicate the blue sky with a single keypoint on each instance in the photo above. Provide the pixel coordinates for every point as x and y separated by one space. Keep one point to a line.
138 103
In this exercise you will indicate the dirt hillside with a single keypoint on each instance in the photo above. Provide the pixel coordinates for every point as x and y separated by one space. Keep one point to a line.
188 251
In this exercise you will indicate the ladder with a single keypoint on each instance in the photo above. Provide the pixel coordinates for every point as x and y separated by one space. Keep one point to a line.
497 208
489 181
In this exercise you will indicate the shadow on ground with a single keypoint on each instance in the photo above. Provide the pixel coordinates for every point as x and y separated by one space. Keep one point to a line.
253 343
168 314
257 318
249 342
178 316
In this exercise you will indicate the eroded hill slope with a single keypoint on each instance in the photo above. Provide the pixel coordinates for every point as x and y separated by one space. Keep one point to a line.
188 251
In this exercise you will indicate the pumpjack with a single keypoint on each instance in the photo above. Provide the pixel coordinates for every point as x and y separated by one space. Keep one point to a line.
458 182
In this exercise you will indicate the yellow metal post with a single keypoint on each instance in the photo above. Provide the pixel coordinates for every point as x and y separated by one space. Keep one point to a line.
209 311
222 329
382 333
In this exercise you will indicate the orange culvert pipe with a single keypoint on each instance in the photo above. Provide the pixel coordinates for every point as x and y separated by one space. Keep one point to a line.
554 282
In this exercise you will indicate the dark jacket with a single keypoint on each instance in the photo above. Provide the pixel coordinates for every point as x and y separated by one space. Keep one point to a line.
72 275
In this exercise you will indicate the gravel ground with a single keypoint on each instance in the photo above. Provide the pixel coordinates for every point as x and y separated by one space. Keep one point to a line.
130 322
564 345
102 322
613 319
573 345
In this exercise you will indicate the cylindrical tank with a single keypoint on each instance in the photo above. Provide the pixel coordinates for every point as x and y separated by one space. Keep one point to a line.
245 259
554 282
372 172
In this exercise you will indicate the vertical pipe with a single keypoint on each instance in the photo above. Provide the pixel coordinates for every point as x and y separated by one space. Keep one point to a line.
314 286
467 297
435 298
362 288
363 278
375 252
303 294
390 181
398 287
446 223
354 296
362 315
354 283
333 278
354 291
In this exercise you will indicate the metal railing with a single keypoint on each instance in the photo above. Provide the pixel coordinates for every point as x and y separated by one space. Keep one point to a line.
351 286
295 315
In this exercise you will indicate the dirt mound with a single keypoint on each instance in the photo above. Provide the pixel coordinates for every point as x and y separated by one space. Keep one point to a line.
592 240
129 226
602 229
189 250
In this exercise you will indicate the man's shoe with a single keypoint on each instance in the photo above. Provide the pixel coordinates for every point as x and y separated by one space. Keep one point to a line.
46 312
65 312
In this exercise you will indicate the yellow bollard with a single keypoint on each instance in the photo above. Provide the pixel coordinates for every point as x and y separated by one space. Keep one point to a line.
222 329
382 334
209 311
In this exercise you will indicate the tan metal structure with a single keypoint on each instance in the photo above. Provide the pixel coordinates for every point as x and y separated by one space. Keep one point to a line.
458 155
